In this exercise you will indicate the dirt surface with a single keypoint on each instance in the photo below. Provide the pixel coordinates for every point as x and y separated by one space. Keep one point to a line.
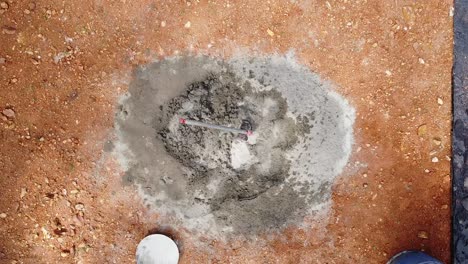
64 67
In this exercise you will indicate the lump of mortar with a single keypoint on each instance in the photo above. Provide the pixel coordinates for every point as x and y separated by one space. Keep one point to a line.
243 192
211 180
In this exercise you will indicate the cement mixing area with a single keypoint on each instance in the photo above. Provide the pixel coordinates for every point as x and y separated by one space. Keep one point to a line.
214 182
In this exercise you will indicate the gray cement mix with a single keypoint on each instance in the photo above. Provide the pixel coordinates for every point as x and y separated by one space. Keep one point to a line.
210 181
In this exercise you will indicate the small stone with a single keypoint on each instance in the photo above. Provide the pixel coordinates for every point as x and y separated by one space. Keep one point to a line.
4 5
35 61
388 73
440 101
188 24
23 193
79 207
14 80
27 12
45 233
2 60
365 185
435 159
444 207
163 23
423 235
271 33
3 215
8 113
421 60
64 254
9 30
61 55
437 141
32 6
422 130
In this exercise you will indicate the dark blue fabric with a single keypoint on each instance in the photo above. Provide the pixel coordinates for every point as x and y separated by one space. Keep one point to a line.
460 134
413 257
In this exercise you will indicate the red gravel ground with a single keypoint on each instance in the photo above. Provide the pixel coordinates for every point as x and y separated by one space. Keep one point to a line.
63 65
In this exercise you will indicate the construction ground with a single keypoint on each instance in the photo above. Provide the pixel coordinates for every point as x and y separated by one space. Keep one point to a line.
349 100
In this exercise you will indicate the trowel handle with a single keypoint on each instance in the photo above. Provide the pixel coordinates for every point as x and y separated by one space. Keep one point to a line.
224 128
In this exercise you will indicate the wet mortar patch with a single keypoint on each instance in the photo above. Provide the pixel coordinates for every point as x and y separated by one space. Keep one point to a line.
216 182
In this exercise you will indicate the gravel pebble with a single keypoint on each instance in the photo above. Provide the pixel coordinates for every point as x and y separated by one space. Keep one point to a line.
3 215
79 207
23 193
423 235
8 113
422 130
35 61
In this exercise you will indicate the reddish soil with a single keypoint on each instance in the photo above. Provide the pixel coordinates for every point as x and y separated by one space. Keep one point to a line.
66 62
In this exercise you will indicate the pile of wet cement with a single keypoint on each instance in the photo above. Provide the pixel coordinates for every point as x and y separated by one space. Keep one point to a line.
246 192
213 100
